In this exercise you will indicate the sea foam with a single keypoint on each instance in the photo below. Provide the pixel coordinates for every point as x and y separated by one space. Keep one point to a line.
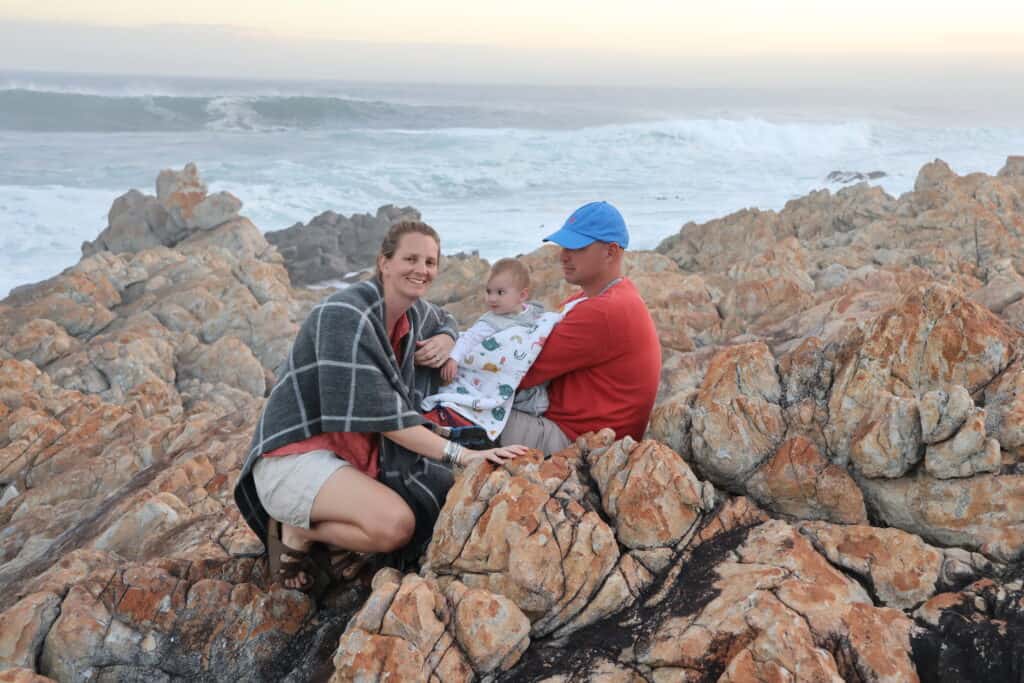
493 174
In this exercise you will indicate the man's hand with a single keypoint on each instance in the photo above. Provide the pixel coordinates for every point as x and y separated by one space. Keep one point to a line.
448 370
434 352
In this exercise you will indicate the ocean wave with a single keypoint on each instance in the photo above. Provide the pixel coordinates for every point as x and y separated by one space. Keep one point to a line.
27 107
39 110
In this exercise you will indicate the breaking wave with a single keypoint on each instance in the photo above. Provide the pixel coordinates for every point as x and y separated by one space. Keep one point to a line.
26 109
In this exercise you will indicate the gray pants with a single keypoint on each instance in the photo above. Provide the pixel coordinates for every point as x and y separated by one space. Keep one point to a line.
533 431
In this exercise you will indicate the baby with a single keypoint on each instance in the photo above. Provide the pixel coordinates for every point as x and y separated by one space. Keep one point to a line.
507 291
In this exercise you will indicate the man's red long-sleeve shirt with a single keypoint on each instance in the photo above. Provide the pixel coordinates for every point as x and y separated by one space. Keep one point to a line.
604 363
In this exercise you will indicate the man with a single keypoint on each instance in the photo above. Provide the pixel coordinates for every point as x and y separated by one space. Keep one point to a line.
603 360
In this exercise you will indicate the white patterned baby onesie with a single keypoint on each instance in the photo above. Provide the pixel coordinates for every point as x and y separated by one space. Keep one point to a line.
493 356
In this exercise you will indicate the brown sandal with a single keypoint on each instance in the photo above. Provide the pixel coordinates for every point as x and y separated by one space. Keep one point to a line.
300 562
344 565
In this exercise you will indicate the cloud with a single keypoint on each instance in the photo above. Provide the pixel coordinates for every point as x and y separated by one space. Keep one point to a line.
220 50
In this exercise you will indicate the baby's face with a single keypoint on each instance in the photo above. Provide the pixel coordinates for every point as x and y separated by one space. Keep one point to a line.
503 294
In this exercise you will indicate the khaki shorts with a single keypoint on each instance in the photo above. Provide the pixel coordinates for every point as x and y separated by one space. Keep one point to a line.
287 484
533 431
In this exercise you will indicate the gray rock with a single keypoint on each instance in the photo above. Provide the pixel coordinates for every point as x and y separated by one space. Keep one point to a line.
943 413
835 275
215 210
331 246
228 361
845 177
239 237
1003 287
1014 167
137 221
967 453
7 494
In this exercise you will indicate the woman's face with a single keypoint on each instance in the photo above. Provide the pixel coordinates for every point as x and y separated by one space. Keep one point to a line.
410 271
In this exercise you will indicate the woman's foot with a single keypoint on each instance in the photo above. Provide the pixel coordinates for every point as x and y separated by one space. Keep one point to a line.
299 555
345 565
289 558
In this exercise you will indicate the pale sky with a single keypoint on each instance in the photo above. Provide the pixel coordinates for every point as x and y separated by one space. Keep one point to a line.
544 41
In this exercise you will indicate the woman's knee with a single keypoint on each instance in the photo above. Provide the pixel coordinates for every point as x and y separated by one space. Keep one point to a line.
394 530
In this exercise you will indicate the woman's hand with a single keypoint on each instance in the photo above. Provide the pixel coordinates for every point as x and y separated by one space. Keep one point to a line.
434 352
495 455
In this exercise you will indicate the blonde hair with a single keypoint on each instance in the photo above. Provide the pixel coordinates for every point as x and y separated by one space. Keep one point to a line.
399 230
516 267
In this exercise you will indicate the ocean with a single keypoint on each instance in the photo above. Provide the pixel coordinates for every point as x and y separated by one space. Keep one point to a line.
493 168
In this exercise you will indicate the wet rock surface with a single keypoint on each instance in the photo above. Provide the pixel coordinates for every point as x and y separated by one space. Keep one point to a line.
832 487
985 617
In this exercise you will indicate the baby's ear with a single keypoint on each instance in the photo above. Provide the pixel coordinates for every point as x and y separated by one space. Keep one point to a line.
524 295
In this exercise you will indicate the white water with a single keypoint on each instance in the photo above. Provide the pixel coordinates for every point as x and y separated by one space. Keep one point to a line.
493 169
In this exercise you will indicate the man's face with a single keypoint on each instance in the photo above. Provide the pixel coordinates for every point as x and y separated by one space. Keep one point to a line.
587 264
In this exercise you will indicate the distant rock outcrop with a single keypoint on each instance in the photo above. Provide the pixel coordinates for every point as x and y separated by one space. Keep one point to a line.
332 246
180 208
847 177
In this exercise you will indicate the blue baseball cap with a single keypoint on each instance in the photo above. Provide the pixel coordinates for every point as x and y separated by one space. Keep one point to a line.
593 222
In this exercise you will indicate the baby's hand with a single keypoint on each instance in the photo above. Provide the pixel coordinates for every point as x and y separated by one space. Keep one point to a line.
448 370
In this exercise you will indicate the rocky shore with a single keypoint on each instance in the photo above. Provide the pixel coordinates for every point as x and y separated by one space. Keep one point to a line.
831 489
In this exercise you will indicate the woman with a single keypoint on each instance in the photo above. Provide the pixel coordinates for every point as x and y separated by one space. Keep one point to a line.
357 372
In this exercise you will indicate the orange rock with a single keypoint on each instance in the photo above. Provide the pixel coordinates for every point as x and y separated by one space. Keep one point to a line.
518 531
24 627
650 494
932 340
780 607
671 421
983 512
491 630
361 656
737 420
902 568
967 453
799 482
409 629
21 675
734 513
943 413
75 641
761 303
1004 407
782 644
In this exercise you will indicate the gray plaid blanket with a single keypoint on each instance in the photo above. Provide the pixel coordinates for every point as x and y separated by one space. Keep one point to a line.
342 375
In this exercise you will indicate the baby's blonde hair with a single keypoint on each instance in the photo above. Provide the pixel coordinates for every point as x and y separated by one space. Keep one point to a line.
514 266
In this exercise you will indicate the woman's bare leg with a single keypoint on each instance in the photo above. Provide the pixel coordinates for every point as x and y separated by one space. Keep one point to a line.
354 512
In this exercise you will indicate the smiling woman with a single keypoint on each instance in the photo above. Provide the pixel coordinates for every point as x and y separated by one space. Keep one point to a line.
341 455
406 266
